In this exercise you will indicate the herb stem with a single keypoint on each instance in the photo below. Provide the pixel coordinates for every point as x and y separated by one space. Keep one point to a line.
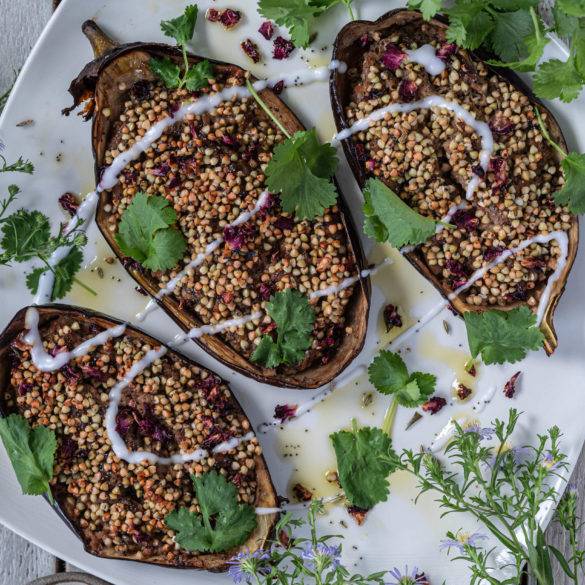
350 10
87 288
186 63
389 417
547 135
266 108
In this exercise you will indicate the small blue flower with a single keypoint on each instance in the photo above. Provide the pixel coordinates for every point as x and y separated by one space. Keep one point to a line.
413 578
246 564
517 454
549 462
322 555
463 539
483 432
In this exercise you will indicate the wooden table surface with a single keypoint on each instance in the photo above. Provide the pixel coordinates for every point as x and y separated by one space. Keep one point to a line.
20 561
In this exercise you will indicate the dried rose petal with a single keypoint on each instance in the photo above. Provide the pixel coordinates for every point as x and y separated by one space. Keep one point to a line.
23 388
265 291
251 49
70 374
301 493
391 317
434 404
493 252
499 167
236 236
230 141
456 268
360 151
446 50
392 57
57 350
282 48
500 124
250 152
284 223
465 219
520 293
358 514
283 412
408 90
267 29
478 170
278 88
463 392
217 437
93 373
213 15
124 421
69 202
162 170
533 263
371 165
67 448
510 387
230 18
365 41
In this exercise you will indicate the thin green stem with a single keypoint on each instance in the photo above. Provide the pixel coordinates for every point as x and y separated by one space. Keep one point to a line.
350 10
87 288
389 417
266 108
547 136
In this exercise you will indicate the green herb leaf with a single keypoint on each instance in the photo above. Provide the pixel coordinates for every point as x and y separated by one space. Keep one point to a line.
297 15
294 319
198 77
31 452
428 7
167 70
13 191
25 234
65 272
469 25
20 166
223 522
363 464
509 34
145 233
181 28
558 79
503 336
572 7
388 218
300 170
389 375
573 192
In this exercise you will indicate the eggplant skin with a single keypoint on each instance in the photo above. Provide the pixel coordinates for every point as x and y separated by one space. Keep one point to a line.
265 493
349 48
98 86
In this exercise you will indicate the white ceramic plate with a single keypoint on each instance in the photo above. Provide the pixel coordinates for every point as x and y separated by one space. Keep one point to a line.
397 532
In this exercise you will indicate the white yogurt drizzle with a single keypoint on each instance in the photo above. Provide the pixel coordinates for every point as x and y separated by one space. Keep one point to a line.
433 101
481 404
202 105
426 55
298 507
200 258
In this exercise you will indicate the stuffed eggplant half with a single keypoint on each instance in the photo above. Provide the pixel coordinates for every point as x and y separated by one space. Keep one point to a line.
123 507
210 168
435 160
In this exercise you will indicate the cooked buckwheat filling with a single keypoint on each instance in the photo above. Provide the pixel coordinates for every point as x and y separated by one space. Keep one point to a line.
172 406
211 168
429 156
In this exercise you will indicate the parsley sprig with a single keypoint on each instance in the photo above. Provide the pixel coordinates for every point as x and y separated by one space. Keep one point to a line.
223 522
194 77
147 233
301 170
389 375
20 166
291 312
31 452
299 15
26 235
503 336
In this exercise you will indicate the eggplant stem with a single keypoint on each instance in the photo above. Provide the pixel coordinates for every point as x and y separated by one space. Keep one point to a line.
266 108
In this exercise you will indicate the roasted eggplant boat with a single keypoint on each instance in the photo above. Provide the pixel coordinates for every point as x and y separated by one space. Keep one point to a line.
210 167
118 509
429 156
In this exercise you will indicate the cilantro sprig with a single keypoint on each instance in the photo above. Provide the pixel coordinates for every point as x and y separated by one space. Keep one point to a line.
26 235
363 464
389 219
20 166
389 375
147 233
301 170
31 452
299 16
223 522
294 319
572 193
194 77
503 336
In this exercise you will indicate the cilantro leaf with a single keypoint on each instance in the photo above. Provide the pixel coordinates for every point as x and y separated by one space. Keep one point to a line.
167 70
428 7
25 234
31 452
558 79
65 272
363 464
13 191
565 25
503 336
145 233
535 47
509 34
297 15
300 170
572 7
181 28
294 319
198 77
469 25
389 375
223 522
573 192
388 218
